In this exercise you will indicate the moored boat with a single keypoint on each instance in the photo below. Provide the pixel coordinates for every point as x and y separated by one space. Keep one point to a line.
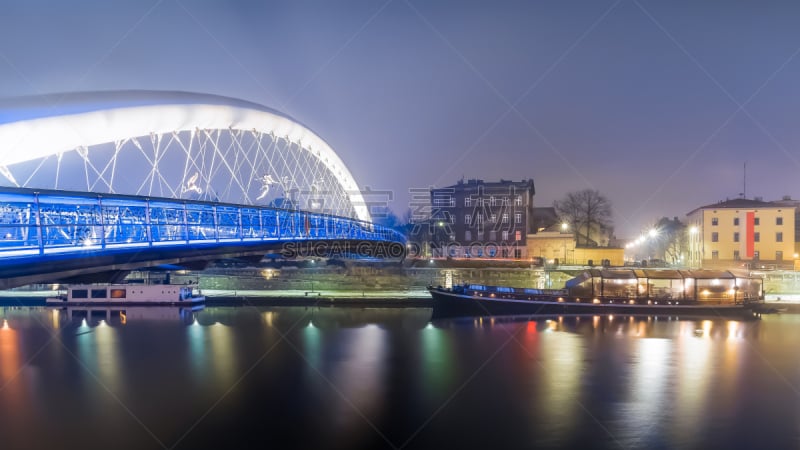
611 291
127 294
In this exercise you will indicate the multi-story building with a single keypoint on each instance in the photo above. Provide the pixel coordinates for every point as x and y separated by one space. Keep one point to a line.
478 219
741 231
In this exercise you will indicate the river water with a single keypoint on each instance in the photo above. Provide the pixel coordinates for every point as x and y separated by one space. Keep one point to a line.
295 377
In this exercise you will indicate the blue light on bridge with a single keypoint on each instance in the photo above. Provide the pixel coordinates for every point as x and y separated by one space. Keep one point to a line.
52 222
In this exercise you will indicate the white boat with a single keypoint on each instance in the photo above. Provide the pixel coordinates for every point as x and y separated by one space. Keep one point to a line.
127 294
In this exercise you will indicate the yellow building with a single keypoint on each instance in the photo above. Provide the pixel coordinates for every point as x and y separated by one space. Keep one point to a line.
560 246
735 232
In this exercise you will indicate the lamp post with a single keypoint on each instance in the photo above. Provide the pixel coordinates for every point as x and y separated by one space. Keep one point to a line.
564 228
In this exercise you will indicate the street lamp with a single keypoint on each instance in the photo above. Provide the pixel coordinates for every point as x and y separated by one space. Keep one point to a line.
564 227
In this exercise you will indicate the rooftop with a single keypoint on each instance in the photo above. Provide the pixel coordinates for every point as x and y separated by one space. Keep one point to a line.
739 203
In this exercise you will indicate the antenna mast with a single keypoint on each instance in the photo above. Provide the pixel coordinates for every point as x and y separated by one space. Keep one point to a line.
744 181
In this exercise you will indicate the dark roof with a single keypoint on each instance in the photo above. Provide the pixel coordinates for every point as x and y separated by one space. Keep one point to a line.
737 203
502 184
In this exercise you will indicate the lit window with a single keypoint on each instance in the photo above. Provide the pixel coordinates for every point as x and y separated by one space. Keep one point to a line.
518 201
505 217
467 201
517 218
467 219
493 219
479 219
518 236
505 235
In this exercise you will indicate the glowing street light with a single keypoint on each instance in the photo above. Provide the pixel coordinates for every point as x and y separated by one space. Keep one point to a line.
653 232
693 230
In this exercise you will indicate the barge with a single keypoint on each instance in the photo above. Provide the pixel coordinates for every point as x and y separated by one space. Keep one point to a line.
611 291
128 295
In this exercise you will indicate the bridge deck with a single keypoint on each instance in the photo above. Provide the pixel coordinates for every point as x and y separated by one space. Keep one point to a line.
46 225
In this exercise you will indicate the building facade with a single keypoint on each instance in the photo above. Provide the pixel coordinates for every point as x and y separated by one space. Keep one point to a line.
478 219
743 232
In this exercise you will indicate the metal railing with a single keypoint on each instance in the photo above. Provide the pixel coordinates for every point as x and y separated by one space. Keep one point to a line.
38 222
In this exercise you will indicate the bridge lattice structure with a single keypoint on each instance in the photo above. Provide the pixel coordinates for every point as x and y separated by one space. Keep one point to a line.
139 171
56 222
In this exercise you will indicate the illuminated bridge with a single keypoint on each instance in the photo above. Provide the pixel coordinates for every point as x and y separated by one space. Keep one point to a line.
101 183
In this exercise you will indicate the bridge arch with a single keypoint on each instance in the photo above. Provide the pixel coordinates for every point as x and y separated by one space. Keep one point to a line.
173 144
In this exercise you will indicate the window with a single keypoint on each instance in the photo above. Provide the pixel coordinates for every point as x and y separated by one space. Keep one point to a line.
736 221
491 200
736 237
736 255
467 219
715 237
505 235
779 256
80 293
444 201
756 255
714 221
468 235
715 255
756 221
518 253
779 237
757 237
99 293
779 221
505 217
480 234
517 235
518 218
118 293
492 235
518 201
493 218
479 219
467 201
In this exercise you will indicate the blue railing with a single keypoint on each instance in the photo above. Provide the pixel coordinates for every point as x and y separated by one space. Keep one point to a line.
49 222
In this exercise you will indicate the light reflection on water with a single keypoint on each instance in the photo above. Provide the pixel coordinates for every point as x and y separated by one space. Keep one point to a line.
365 374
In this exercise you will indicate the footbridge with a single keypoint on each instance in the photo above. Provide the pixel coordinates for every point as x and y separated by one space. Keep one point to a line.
100 183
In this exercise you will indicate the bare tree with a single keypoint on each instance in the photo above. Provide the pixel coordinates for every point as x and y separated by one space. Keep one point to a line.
588 212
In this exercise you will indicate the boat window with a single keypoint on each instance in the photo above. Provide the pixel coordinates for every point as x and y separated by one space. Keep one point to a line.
118 293
80 293
99 293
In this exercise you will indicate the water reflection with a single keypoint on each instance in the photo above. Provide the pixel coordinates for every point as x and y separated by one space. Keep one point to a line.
649 381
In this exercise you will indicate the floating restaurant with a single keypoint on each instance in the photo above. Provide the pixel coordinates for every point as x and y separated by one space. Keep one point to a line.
712 286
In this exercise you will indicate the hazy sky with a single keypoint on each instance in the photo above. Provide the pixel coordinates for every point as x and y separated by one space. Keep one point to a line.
655 103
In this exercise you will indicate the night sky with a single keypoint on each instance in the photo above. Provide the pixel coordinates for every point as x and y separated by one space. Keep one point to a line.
655 103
